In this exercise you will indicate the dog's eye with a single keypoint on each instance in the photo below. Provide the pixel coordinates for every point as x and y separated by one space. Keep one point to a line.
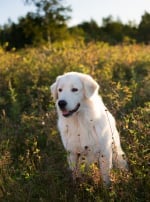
74 89
60 89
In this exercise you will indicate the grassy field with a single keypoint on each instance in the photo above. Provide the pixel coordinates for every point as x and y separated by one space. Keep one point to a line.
33 163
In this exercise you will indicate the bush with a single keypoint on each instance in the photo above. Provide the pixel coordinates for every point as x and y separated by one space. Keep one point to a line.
32 159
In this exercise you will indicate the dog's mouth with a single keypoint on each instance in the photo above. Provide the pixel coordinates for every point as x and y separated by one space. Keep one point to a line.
67 113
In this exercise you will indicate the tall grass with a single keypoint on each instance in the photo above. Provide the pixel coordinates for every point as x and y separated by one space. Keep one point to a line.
33 164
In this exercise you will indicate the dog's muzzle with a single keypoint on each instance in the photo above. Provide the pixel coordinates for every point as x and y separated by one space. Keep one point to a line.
62 105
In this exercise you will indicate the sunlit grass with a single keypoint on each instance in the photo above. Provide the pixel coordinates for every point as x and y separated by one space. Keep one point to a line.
33 164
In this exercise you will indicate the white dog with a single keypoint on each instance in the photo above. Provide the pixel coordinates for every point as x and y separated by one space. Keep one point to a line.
87 128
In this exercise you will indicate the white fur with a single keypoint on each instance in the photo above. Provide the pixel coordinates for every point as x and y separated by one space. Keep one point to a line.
90 132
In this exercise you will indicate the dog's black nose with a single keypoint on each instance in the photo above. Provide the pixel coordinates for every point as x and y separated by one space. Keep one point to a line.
62 104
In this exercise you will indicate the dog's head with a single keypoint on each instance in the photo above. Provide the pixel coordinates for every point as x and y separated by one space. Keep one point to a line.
71 89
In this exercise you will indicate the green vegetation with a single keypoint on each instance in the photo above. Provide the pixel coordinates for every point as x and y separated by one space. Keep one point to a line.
48 24
33 164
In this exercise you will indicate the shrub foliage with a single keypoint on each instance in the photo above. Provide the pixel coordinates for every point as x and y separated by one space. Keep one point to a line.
32 159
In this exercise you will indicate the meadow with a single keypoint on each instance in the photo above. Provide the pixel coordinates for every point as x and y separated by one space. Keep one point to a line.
33 164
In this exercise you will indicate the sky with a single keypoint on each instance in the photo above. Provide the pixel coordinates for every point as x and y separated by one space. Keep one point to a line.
82 10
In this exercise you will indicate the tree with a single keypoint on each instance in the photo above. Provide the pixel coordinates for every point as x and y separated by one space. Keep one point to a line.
32 29
13 36
113 30
91 30
47 24
144 28
54 16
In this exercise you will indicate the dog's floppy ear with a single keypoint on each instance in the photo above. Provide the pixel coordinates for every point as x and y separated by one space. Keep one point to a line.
53 88
90 86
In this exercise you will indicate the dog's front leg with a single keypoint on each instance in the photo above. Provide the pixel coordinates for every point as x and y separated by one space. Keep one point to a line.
71 157
73 164
105 161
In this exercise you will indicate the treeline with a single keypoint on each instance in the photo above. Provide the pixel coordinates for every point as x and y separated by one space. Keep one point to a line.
49 24
114 31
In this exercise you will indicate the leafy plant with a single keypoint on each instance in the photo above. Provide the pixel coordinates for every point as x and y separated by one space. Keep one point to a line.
32 159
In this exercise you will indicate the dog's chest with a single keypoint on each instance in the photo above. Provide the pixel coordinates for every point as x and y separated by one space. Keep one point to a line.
78 135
